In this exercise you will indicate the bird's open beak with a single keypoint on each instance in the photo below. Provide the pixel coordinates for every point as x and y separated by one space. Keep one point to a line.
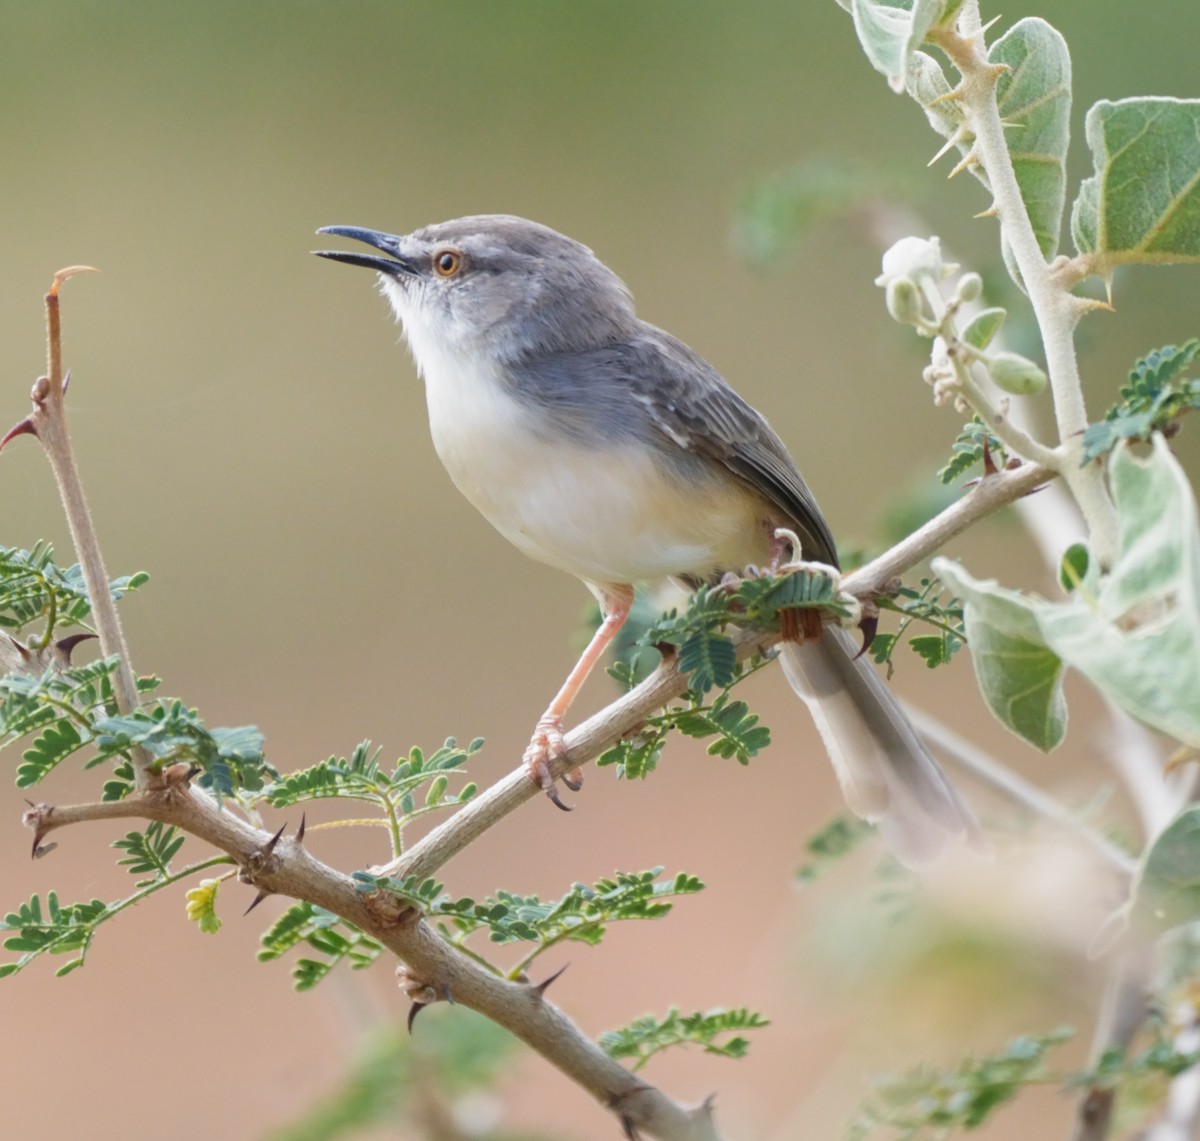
394 265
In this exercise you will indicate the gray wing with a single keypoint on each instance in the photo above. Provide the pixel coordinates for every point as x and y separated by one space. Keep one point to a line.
653 386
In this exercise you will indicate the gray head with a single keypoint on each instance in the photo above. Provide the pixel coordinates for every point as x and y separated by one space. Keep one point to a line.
494 283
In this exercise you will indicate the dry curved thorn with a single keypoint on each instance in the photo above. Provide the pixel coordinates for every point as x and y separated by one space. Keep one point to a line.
262 894
540 988
269 846
69 271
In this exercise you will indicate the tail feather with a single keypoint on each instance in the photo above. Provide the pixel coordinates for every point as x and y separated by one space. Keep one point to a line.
886 773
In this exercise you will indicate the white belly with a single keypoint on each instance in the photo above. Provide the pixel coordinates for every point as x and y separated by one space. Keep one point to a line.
609 514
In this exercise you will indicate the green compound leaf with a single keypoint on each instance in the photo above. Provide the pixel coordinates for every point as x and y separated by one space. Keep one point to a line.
969 449
1152 399
336 940
33 586
648 1036
927 1102
709 660
150 851
737 730
1142 205
229 758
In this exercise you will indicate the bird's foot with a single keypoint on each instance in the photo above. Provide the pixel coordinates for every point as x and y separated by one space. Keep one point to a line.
547 744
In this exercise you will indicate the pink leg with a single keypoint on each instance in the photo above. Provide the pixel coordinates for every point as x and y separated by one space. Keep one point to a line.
547 741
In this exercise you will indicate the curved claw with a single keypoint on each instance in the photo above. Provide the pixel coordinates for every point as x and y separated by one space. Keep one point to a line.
547 742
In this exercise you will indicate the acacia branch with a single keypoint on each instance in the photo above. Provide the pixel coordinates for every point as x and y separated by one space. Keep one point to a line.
285 867
48 423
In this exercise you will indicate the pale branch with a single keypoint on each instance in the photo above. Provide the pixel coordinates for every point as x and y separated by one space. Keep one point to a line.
603 730
48 423
285 867
1002 779
1056 309
1123 1010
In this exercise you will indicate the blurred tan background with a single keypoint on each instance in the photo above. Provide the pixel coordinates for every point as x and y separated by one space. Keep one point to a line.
251 434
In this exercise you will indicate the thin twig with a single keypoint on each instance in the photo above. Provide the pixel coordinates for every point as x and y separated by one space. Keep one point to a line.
48 422
1016 788
1123 1009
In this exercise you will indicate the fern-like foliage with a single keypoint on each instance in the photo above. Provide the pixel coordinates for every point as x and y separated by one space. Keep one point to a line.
931 606
1156 394
832 844
647 1036
927 1103
334 939
969 448
581 915
228 759
150 851
33 588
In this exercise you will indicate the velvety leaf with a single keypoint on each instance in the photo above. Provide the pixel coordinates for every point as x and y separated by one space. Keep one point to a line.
1034 98
1142 205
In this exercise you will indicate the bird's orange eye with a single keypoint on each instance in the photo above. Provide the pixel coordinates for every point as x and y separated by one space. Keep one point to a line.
446 263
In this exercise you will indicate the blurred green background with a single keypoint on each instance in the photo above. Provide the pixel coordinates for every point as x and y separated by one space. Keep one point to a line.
251 433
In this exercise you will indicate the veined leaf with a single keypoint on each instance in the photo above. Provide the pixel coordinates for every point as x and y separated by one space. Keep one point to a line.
1142 205
1134 632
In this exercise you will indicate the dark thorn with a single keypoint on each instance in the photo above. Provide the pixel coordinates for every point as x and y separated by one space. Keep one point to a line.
571 783
989 464
413 1011
22 650
29 802
667 649
628 1128
552 793
67 645
262 894
449 997
869 625
39 852
269 846
300 830
193 770
37 841
24 428
544 985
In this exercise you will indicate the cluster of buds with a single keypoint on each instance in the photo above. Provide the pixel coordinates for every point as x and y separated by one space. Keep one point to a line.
913 270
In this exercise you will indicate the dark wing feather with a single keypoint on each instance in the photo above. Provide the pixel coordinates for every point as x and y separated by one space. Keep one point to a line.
696 406
653 386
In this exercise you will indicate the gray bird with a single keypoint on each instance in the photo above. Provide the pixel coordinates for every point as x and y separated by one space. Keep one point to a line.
601 445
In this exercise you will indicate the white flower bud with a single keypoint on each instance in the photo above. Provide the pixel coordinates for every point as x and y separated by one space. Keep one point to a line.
914 258
904 300
1016 374
970 287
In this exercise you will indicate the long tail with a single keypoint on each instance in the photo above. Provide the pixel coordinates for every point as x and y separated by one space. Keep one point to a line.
887 775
